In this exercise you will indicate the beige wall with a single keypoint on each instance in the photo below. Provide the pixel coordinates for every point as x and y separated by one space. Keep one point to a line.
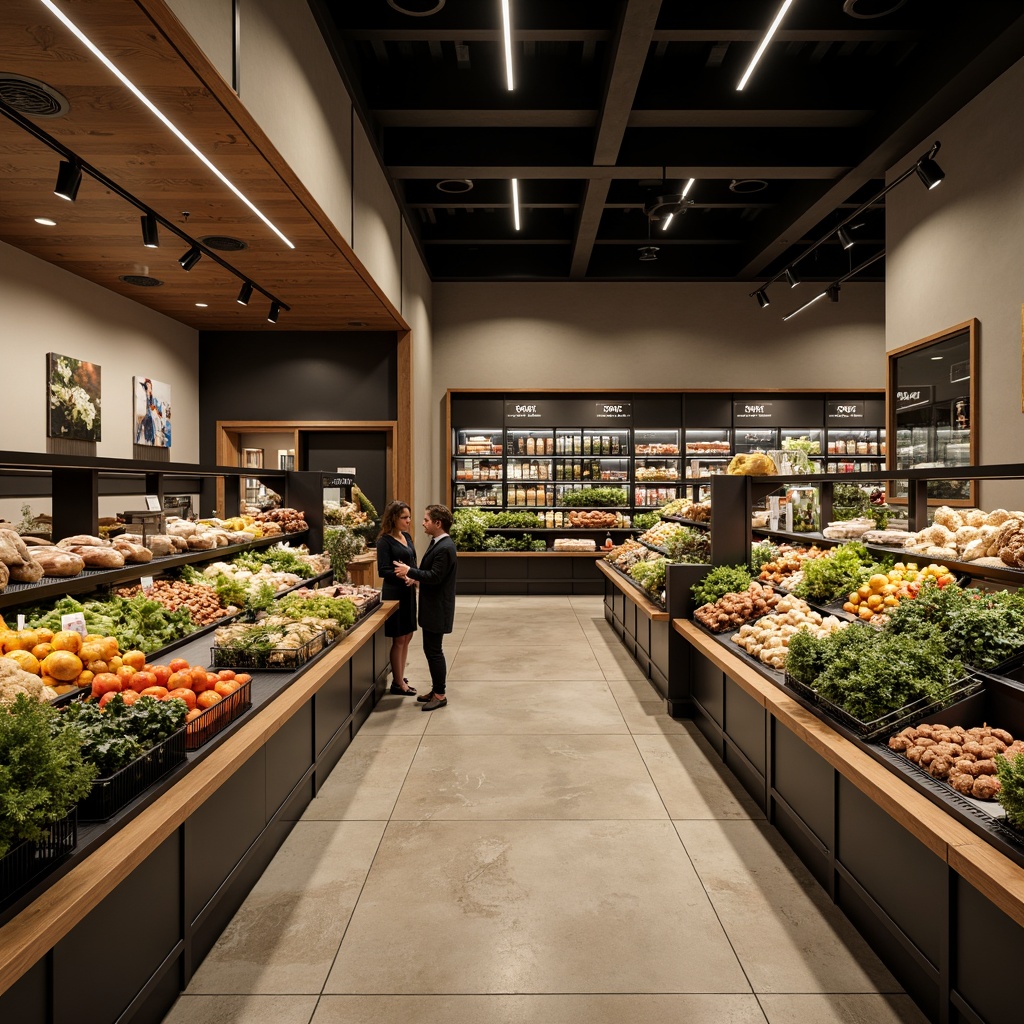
957 252
210 22
49 310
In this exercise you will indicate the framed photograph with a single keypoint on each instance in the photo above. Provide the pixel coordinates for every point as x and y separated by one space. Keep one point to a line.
73 398
152 412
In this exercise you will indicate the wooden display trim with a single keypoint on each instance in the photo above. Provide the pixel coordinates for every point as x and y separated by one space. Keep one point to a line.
992 874
29 936
649 608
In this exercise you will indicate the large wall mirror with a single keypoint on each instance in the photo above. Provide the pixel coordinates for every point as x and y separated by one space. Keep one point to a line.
931 393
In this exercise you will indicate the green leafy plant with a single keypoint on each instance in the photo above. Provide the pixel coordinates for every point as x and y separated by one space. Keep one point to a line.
1010 771
512 520
468 529
722 580
594 497
523 543
849 501
831 577
645 520
690 546
651 575
42 771
319 606
261 598
341 546
761 554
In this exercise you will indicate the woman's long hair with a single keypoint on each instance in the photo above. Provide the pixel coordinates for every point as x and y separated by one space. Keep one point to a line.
391 513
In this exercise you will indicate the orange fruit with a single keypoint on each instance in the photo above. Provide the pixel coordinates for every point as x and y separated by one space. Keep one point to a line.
113 648
67 640
226 673
175 681
41 650
226 686
193 715
155 691
178 664
45 634
85 678
162 673
136 659
115 662
186 695
208 698
243 677
93 650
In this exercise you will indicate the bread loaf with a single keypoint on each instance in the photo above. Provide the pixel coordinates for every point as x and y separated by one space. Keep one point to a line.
158 543
57 561
99 557
132 552
37 542
83 538
202 541
28 572
13 550
5 575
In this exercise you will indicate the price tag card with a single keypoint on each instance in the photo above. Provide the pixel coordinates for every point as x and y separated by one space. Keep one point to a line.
147 584
75 622
21 621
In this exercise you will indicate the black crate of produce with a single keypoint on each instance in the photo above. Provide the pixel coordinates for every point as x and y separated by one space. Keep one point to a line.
24 862
279 658
895 720
204 727
112 792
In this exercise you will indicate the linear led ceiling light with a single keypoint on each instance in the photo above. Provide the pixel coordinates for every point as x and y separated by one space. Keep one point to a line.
275 312
689 185
69 179
150 231
772 29
506 27
191 258
668 220
515 201
65 20
820 295
244 293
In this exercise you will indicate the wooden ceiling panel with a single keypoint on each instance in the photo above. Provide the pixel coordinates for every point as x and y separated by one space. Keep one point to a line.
98 236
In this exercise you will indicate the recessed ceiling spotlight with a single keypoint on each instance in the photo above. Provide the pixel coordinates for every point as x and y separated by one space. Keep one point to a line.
47 222
453 186
744 186
416 8
201 305
871 8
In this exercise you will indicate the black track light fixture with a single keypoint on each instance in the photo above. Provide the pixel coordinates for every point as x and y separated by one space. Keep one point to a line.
150 232
844 238
69 179
791 277
762 298
191 258
833 292
930 173
275 312
244 294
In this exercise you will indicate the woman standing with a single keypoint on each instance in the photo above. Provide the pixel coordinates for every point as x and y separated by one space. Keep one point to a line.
395 545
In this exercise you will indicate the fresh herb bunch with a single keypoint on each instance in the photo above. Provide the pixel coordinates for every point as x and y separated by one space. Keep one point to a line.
468 529
280 559
1010 771
42 773
645 520
870 673
849 501
722 580
690 546
523 543
512 520
982 629
651 575
594 497
340 609
120 733
831 577
761 554
260 599
230 591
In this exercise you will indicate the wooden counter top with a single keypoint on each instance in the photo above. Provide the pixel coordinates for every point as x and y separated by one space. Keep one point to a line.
32 933
989 871
647 606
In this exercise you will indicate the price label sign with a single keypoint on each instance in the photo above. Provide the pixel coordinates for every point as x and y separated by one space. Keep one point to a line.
74 621
21 622
146 583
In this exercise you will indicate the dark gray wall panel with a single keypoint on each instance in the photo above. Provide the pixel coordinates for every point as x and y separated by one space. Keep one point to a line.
290 754
27 1001
745 724
708 687
805 781
362 671
136 947
333 705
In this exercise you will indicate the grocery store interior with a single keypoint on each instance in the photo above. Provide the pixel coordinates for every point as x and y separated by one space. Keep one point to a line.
351 263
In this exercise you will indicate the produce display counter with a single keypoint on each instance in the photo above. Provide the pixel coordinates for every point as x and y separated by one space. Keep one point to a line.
167 874
942 908
529 572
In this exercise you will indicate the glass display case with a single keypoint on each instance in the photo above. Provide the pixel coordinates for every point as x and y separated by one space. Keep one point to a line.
478 495
707 452
654 496
750 440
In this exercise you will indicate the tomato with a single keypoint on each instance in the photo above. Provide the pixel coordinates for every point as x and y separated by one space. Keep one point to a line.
179 664
184 695
155 691
162 673
105 682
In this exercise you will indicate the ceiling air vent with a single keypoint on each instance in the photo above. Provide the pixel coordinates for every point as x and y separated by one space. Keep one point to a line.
417 8
29 96
141 281
224 243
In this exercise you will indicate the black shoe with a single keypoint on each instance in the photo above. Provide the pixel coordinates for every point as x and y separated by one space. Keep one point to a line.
395 688
435 703
424 697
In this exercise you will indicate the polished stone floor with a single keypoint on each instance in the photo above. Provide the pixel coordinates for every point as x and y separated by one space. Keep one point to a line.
550 847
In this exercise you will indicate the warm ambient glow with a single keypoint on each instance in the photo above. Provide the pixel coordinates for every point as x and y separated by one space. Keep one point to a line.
515 201
764 44
820 295
506 24
50 6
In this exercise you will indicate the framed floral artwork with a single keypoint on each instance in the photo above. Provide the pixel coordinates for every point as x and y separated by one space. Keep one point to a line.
152 412
73 398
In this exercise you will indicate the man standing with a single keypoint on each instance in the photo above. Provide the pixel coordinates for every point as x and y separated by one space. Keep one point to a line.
436 577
